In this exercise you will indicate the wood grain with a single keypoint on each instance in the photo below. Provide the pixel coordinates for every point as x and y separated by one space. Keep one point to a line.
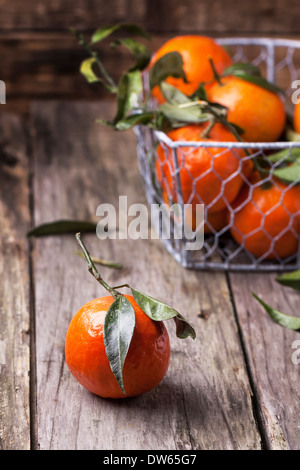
40 58
269 352
205 401
167 16
61 15
14 287
189 16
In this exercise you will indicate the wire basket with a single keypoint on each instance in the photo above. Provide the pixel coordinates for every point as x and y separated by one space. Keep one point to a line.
278 61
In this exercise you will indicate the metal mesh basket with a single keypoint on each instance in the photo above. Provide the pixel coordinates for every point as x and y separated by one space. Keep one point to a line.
278 61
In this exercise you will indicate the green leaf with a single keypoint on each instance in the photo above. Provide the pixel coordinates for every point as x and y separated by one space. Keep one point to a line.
192 114
293 323
62 226
285 155
250 73
118 330
292 136
171 64
134 120
259 81
183 328
173 95
106 31
129 90
159 311
290 279
139 51
180 107
87 70
242 67
200 94
289 174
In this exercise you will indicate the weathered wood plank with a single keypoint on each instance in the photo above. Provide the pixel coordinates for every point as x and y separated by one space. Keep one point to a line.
205 400
45 65
62 15
264 16
269 352
14 287
166 16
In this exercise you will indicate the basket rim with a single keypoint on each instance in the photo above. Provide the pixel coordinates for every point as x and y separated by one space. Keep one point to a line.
173 144
262 40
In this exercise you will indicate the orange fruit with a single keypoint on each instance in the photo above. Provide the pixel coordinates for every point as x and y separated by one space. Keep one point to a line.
269 222
212 176
258 111
195 51
297 118
214 221
146 362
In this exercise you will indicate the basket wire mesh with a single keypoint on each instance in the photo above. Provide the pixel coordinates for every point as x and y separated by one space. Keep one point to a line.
278 61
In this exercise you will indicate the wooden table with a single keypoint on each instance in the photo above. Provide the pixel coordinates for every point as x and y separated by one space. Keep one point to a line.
234 387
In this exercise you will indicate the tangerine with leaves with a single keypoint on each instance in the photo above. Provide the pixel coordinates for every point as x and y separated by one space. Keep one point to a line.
118 346
266 218
195 51
257 110
146 362
212 176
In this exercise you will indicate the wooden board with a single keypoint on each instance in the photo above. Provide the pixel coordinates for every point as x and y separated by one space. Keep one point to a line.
205 401
14 287
40 58
169 15
269 354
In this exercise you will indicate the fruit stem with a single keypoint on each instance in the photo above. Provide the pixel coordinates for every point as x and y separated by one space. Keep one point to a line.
206 132
93 270
216 75
103 262
122 285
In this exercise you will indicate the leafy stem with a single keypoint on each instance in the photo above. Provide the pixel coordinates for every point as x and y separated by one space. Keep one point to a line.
93 270
153 308
108 81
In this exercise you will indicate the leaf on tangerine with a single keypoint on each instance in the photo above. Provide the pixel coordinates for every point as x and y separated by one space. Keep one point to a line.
171 64
118 331
159 311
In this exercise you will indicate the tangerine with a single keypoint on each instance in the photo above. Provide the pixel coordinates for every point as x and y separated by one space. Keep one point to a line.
214 221
195 51
146 362
212 176
258 111
297 118
267 220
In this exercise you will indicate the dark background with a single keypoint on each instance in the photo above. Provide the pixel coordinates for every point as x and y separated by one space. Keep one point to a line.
40 58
